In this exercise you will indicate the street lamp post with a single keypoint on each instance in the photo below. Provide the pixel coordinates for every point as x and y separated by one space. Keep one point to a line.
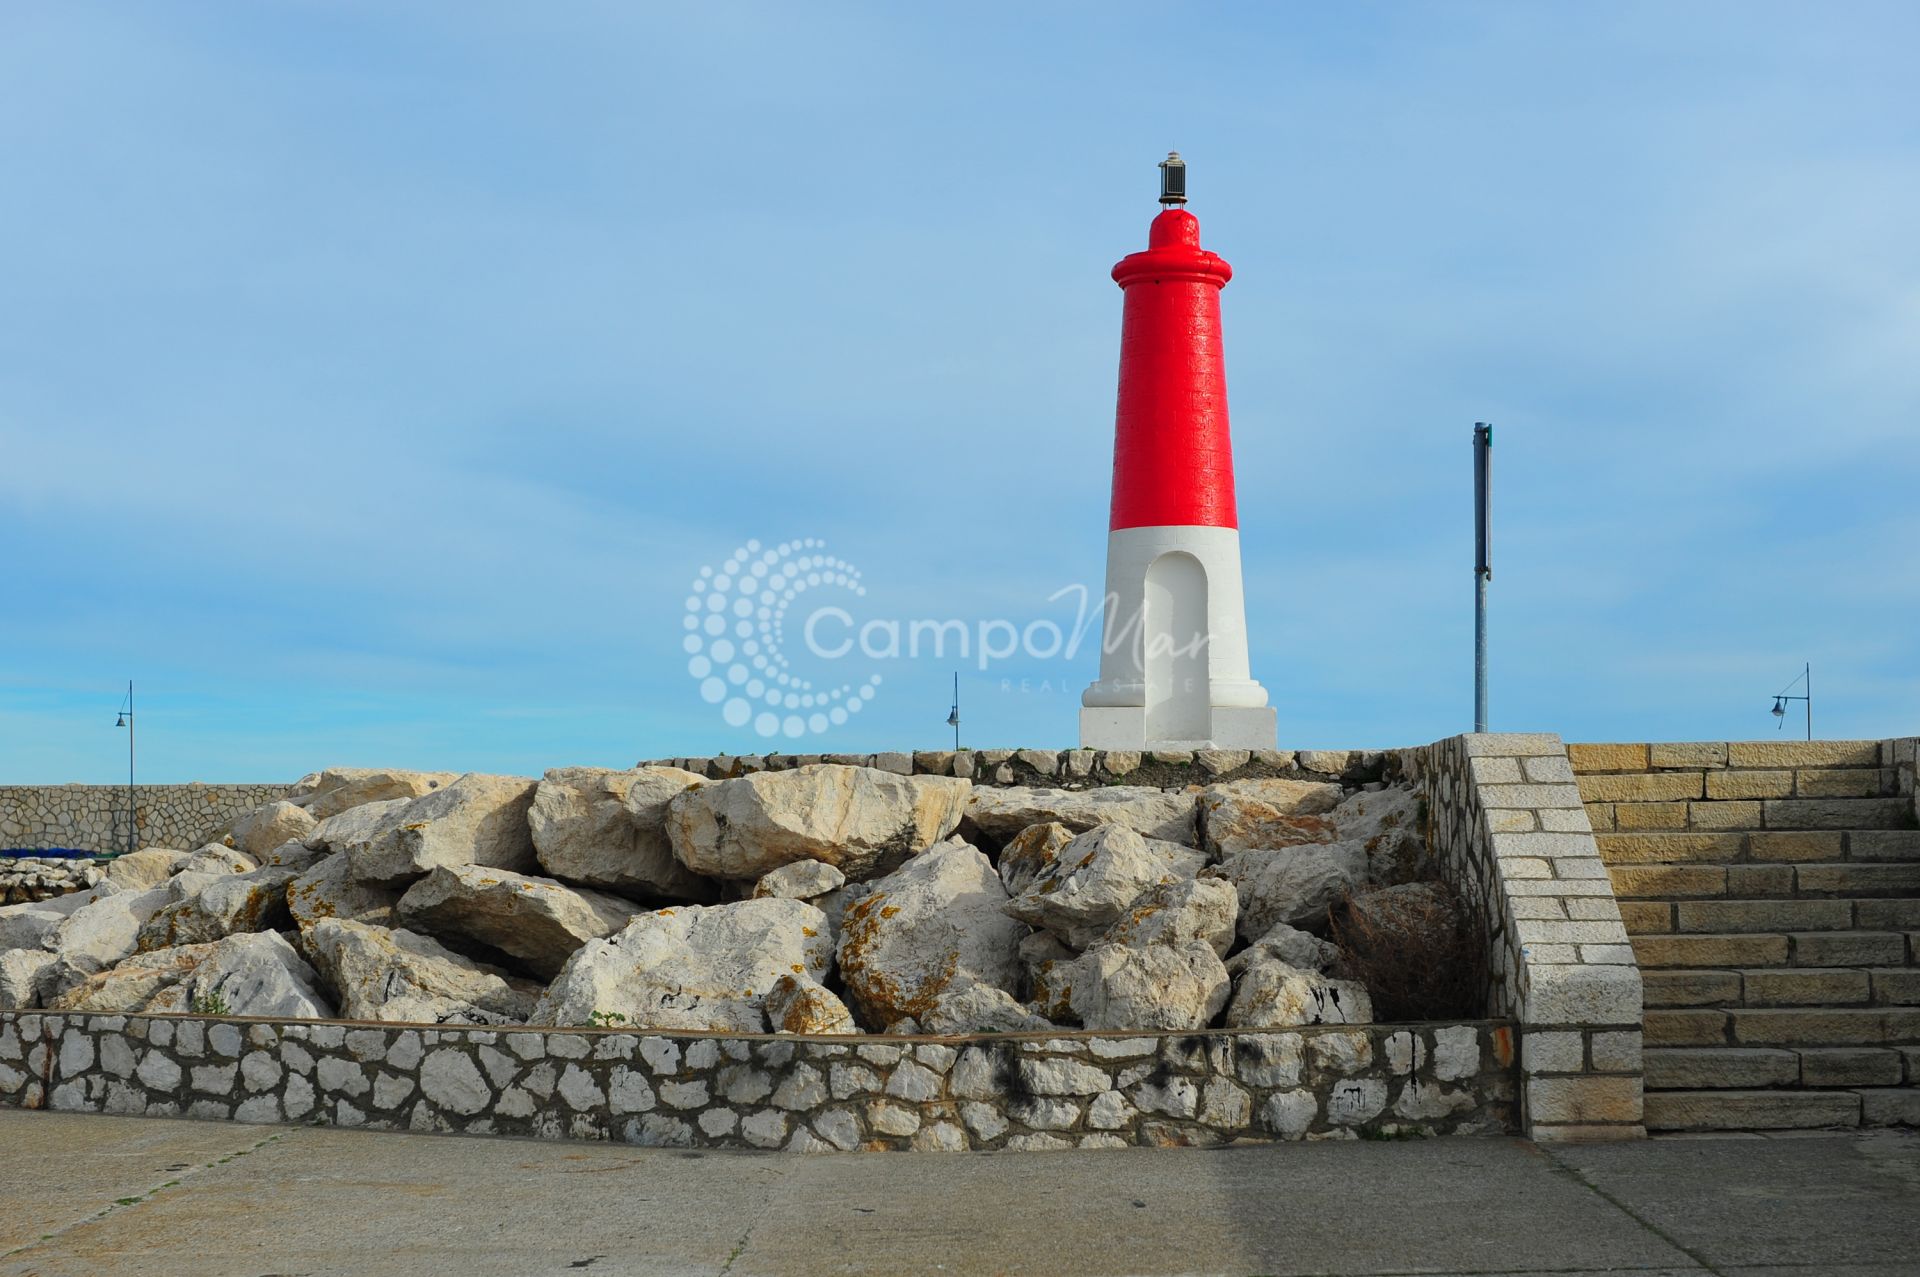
953 718
1482 563
1781 698
126 721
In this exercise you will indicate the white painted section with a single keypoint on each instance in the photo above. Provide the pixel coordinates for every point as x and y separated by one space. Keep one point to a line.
1125 727
1175 625
1176 648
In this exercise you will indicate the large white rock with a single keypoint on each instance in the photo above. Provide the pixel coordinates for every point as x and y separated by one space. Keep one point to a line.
608 829
337 789
475 820
1159 987
27 926
691 967
1243 814
147 867
801 1004
97 935
1095 878
1203 909
20 977
937 922
978 1008
1000 813
265 828
254 901
1030 853
253 974
1270 994
354 827
1294 947
1386 822
215 858
536 920
801 880
329 890
132 985
296 856
397 975
860 820
1294 885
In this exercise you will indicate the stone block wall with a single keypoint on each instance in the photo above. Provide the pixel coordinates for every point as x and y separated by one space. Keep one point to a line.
94 817
1011 1092
1707 787
1508 828
1901 753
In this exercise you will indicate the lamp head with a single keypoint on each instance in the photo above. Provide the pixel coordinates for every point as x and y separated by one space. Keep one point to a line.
953 719
1173 180
1779 708
121 721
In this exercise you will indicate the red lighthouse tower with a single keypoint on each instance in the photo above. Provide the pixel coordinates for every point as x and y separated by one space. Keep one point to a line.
1173 659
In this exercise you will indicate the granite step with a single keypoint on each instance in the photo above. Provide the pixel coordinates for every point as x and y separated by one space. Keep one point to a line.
1782 1026
1657 950
1739 916
1781 986
1883 844
1837 813
1751 1110
1724 847
1753 1068
1802 881
1725 917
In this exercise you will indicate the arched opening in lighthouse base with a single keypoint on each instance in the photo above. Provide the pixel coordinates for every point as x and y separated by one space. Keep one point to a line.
1175 633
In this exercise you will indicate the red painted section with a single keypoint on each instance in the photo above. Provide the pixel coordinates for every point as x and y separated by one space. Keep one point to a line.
1172 455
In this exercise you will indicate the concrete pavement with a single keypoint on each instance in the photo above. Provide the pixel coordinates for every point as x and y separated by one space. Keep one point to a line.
111 1196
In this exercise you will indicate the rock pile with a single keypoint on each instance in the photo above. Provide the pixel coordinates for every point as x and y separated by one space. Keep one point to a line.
827 898
26 879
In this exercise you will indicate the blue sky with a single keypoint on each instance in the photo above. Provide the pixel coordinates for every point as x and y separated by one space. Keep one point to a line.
375 379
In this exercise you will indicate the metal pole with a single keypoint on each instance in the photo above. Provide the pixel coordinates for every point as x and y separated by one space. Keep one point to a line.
1479 652
956 711
132 809
1809 677
1482 563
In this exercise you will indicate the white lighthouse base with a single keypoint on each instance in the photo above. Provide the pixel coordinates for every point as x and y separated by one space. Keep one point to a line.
1173 649
1232 727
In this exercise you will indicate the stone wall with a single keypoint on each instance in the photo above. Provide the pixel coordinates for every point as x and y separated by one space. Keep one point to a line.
94 817
1018 1093
1077 768
1509 830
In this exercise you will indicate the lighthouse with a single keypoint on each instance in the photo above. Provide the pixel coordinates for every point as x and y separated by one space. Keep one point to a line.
1173 654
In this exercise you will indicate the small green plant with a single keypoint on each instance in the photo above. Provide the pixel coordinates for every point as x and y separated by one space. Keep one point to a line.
606 1019
210 1004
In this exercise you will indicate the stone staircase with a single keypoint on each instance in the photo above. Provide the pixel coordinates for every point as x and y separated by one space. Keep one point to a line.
1772 893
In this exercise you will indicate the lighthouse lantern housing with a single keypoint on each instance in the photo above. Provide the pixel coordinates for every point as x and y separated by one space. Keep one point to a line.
1173 179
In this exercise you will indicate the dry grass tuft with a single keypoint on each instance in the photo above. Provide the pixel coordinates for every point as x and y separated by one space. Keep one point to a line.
1421 954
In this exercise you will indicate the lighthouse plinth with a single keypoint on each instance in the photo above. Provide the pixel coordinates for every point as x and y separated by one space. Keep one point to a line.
1173 660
